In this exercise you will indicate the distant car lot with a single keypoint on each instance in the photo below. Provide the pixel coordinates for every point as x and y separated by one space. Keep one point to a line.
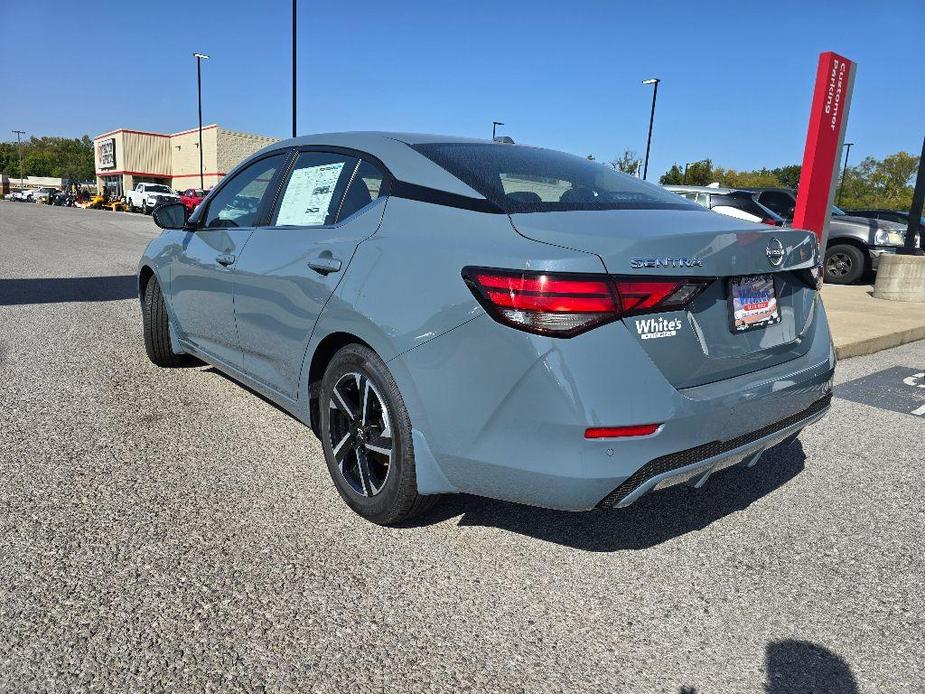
170 530
855 243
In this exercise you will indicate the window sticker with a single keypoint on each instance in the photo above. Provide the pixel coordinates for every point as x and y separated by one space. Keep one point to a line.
308 195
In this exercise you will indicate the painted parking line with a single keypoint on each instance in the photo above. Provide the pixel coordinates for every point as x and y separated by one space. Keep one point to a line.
899 389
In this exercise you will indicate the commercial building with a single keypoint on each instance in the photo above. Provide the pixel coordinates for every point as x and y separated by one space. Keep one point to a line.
126 157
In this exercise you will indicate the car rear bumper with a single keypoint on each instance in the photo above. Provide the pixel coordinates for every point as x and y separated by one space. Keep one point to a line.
504 424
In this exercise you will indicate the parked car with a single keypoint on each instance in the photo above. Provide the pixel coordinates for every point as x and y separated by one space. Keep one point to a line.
147 196
43 195
732 202
515 322
855 244
191 197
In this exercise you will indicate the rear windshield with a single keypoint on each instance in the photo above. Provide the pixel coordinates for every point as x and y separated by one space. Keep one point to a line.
528 179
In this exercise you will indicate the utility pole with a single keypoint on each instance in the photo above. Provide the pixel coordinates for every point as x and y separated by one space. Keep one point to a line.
847 146
293 68
199 58
19 133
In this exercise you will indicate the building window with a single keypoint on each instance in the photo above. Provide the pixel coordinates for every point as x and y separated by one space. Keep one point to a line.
113 186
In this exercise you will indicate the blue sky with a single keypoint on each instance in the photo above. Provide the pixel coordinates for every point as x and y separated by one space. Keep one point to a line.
737 79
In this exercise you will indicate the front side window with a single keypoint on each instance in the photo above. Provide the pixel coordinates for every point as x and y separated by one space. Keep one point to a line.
238 202
315 189
528 179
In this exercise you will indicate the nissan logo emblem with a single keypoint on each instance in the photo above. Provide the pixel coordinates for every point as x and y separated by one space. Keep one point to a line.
775 252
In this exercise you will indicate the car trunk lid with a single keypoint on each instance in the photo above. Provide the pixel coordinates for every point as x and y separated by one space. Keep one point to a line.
697 345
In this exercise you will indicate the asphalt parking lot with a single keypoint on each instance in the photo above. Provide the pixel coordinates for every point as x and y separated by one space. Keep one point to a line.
169 530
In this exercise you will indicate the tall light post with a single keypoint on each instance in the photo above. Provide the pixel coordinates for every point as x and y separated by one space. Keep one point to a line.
293 68
19 150
494 128
199 58
844 170
655 81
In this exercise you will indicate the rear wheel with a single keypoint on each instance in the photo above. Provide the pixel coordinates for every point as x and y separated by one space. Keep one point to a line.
366 436
157 329
844 264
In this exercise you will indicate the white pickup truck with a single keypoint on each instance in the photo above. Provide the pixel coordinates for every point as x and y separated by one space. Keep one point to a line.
147 196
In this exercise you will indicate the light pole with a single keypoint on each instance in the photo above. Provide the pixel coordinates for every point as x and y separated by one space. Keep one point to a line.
199 58
655 81
293 68
914 227
494 128
844 170
19 150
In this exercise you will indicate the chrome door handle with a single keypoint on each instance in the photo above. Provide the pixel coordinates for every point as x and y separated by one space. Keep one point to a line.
225 259
325 263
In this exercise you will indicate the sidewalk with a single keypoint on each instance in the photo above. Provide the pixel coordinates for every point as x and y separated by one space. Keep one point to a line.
862 324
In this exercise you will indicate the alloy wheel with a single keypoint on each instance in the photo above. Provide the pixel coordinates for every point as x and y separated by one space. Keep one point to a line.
838 264
360 433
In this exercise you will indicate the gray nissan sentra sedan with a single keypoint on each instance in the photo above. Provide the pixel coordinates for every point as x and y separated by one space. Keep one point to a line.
454 315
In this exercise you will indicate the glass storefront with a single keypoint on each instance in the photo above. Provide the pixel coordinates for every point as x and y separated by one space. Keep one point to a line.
113 186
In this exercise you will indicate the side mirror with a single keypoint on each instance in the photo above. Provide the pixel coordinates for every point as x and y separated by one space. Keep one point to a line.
170 215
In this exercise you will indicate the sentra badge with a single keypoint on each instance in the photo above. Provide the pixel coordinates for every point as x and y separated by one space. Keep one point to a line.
637 263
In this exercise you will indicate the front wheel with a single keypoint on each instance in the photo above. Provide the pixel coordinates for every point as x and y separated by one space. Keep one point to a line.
844 264
144 207
157 329
366 436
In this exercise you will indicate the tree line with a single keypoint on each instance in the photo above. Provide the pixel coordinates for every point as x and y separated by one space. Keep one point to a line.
879 183
60 157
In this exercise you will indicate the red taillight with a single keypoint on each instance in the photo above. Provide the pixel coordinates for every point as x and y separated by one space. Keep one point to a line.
621 432
565 305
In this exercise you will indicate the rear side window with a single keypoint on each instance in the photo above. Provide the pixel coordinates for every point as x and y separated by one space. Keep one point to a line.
777 202
528 179
364 188
315 189
741 201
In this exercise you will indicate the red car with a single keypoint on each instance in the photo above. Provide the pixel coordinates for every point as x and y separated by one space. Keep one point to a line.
192 197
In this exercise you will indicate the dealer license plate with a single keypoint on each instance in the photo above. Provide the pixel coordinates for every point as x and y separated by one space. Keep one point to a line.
752 303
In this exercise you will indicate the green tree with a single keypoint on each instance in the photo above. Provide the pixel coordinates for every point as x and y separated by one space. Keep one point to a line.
699 173
50 156
674 176
628 163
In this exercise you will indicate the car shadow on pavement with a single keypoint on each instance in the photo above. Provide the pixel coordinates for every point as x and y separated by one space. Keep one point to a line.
793 666
653 519
52 290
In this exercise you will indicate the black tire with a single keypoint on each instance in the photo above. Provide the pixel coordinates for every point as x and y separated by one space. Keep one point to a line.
844 264
157 329
397 498
144 207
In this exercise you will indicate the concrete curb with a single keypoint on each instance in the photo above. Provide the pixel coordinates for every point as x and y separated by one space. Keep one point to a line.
859 348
